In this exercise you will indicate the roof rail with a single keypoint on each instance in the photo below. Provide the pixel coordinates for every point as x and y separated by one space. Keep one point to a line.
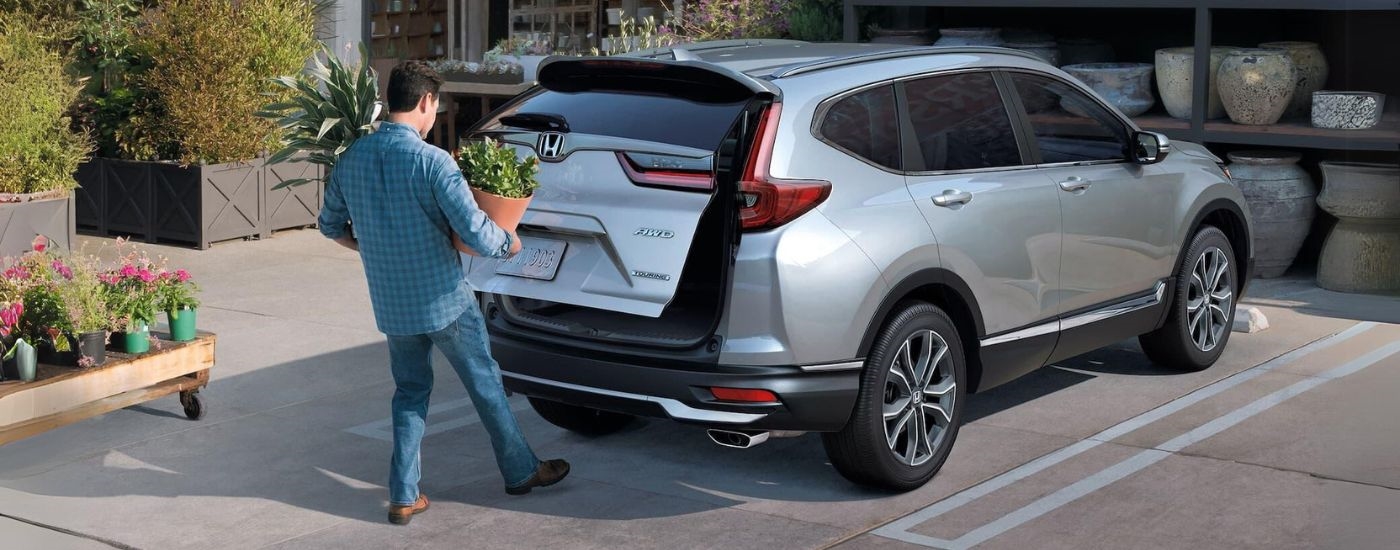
846 60
697 47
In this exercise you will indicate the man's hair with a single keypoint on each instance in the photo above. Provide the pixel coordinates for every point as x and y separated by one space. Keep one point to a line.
408 83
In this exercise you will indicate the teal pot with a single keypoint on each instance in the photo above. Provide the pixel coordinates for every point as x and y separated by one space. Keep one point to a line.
93 345
137 339
182 324
23 365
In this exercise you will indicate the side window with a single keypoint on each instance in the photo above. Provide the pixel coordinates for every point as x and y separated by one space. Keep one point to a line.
960 122
865 124
1069 126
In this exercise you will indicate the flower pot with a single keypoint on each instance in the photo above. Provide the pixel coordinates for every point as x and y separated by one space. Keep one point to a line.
504 211
1176 70
1362 253
1127 86
1281 198
1047 50
93 346
969 36
1256 86
136 339
23 365
1311 67
182 324
48 355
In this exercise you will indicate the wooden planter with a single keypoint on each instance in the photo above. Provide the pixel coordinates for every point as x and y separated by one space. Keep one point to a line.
24 216
199 205
64 395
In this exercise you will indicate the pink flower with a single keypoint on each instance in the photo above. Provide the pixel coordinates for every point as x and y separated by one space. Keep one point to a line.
63 270
182 275
128 270
146 275
40 243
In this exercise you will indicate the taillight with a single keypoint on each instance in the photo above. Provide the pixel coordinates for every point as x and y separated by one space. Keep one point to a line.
744 395
769 202
666 171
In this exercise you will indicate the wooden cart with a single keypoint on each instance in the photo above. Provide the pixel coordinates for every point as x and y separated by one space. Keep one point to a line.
63 395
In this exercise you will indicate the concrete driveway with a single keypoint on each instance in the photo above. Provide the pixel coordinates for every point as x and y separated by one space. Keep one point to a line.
1289 441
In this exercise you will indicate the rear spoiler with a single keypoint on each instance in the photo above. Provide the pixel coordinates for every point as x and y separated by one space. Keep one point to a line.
694 80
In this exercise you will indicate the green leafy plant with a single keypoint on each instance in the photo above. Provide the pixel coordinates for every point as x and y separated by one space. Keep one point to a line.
812 20
176 290
642 35
134 289
333 104
493 167
39 150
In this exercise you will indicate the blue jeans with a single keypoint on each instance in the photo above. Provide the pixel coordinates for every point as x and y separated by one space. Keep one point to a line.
464 344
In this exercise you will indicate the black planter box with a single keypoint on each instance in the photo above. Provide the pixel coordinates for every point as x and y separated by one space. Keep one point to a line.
24 216
198 205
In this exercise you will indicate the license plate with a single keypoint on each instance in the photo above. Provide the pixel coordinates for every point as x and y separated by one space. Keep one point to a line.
538 259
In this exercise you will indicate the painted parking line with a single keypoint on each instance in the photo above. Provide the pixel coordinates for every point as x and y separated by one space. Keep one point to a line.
383 429
899 529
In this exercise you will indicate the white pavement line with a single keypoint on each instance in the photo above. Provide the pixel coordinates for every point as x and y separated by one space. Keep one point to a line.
1149 457
899 529
383 430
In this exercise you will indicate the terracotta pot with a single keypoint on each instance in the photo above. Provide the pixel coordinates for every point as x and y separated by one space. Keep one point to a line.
1257 86
505 212
1281 196
1312 73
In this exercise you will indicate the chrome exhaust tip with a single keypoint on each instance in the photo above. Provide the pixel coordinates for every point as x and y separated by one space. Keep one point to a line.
736 439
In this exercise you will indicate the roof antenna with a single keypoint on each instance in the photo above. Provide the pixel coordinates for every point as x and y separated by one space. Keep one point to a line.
682 54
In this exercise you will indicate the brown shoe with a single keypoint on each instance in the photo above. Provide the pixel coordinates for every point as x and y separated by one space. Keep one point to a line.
548 473
401 515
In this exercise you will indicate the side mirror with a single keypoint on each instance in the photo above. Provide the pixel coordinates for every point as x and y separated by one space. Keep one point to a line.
1150 147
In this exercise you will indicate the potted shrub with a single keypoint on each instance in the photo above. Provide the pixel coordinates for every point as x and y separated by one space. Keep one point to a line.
84 296
501 182
177 296
192 168
39 151
19 358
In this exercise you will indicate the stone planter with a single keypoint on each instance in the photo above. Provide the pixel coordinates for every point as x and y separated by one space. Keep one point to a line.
1127 86
969 36
1078 51
23 216
1347 110
1362 254
912 37
1256 86
1047 50
1176 70
1312 73
1281 199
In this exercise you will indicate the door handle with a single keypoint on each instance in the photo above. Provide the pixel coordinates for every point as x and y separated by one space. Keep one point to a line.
952 197
1075 184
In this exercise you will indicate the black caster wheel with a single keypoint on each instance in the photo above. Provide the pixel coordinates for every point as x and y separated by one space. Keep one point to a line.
194 406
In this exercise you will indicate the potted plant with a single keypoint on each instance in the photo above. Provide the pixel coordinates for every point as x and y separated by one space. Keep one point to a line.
133 297
19 358
501 182
177 296
83 294
331 106
39 150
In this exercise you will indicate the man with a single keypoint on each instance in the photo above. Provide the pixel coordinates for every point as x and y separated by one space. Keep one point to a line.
407 198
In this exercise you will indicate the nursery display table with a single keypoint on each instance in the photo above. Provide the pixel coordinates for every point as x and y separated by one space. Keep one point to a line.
63 395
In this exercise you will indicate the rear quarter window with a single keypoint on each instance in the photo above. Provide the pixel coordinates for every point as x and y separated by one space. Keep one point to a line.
865 125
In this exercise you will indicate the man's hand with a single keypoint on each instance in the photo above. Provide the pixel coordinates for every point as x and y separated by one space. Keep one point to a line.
515 245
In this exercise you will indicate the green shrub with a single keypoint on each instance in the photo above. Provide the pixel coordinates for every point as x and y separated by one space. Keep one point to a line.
813 20
38 149
211 64
493 167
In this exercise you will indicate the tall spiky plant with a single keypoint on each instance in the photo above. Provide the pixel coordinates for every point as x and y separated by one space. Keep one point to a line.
334 105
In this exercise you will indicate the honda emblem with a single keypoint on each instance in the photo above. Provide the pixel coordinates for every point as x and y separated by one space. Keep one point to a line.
551 146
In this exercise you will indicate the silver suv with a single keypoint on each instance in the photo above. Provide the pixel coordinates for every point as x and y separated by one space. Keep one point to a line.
769 238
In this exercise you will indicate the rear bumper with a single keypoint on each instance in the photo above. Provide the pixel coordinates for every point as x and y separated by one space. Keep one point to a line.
810 400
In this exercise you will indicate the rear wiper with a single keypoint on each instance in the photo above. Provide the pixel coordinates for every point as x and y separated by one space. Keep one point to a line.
539 122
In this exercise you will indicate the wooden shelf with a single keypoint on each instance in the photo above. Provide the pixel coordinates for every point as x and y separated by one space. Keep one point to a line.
1383 137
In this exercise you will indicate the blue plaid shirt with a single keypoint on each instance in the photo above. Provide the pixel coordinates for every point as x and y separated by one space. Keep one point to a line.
404 195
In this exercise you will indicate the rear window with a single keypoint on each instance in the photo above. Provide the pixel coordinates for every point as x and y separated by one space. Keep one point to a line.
655 118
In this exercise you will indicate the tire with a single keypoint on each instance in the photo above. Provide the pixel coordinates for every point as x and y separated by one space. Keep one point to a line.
583 420
862 451
1187 341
